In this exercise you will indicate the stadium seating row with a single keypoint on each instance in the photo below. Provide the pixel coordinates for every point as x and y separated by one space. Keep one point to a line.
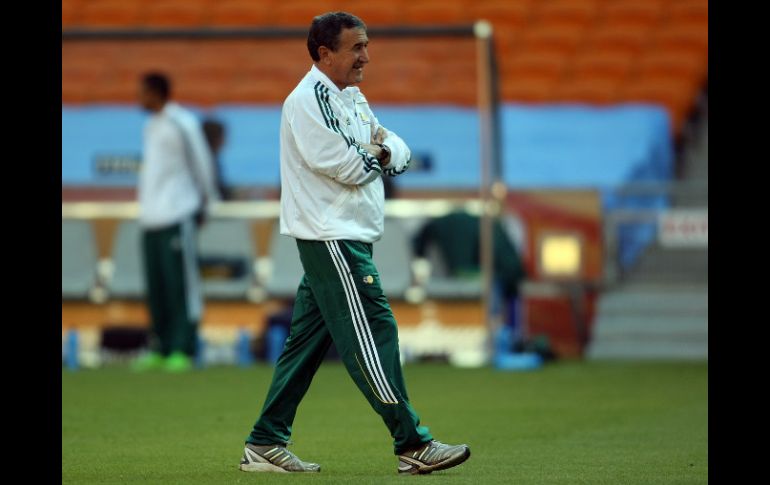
197 13
592 51
223 242
563 146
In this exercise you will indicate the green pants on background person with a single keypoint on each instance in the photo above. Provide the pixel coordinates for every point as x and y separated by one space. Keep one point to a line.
173 296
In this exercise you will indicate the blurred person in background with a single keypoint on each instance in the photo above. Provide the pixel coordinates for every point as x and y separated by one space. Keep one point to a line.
215 136
334 153
455 238
176 189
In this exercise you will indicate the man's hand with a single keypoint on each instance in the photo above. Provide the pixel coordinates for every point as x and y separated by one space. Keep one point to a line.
376 152
200 218
379 137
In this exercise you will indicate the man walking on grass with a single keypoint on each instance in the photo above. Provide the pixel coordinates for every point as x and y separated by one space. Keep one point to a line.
333 155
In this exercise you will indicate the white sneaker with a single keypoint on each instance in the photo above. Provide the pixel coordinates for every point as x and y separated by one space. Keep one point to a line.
433 456
273 458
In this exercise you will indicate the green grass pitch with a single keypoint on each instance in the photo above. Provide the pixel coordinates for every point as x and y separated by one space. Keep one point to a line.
568 423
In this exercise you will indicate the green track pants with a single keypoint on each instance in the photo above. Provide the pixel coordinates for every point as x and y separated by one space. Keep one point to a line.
340 299
173 287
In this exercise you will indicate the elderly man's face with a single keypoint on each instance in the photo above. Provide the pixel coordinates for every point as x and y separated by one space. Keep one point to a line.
346 66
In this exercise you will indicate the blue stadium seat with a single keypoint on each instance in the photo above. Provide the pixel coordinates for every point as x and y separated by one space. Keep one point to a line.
286 267
79 259
228 244
127 281
393 258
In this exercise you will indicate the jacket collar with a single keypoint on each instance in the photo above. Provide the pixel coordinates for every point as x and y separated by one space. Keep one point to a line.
168 109
318 75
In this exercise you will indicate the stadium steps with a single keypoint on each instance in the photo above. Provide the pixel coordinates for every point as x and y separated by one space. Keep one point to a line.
639 321
660 310
680 266
696 157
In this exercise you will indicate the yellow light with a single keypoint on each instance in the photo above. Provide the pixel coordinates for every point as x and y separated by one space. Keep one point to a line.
560 255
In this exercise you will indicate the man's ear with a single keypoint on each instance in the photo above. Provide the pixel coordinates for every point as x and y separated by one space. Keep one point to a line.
325 54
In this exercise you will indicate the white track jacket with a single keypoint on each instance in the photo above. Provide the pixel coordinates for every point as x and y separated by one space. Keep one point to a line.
174 145
330 186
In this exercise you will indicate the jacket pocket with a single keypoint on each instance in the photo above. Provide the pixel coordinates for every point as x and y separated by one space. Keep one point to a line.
340 209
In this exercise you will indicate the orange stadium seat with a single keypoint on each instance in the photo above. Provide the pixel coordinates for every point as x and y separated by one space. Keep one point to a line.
666 63
393 93
565 12
84 65
509 18
547 38
453 51
634 12
399 74
681 34
598 64
82 60
533 64
620 39
375 13
592 90
503 14
390 51
74 92
630 24
435 51
204 92
123 79
687 12
77 78
685 37
288 76
274 85
435 12
115 89
208 66
159 55
273 54
87 52
402 71
593 51
528 90
459 91
175 13
504 42
256 90
300 13
110 13
459 82
240 13
70 13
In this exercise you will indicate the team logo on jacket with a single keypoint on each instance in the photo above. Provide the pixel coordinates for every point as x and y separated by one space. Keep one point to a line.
368 279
